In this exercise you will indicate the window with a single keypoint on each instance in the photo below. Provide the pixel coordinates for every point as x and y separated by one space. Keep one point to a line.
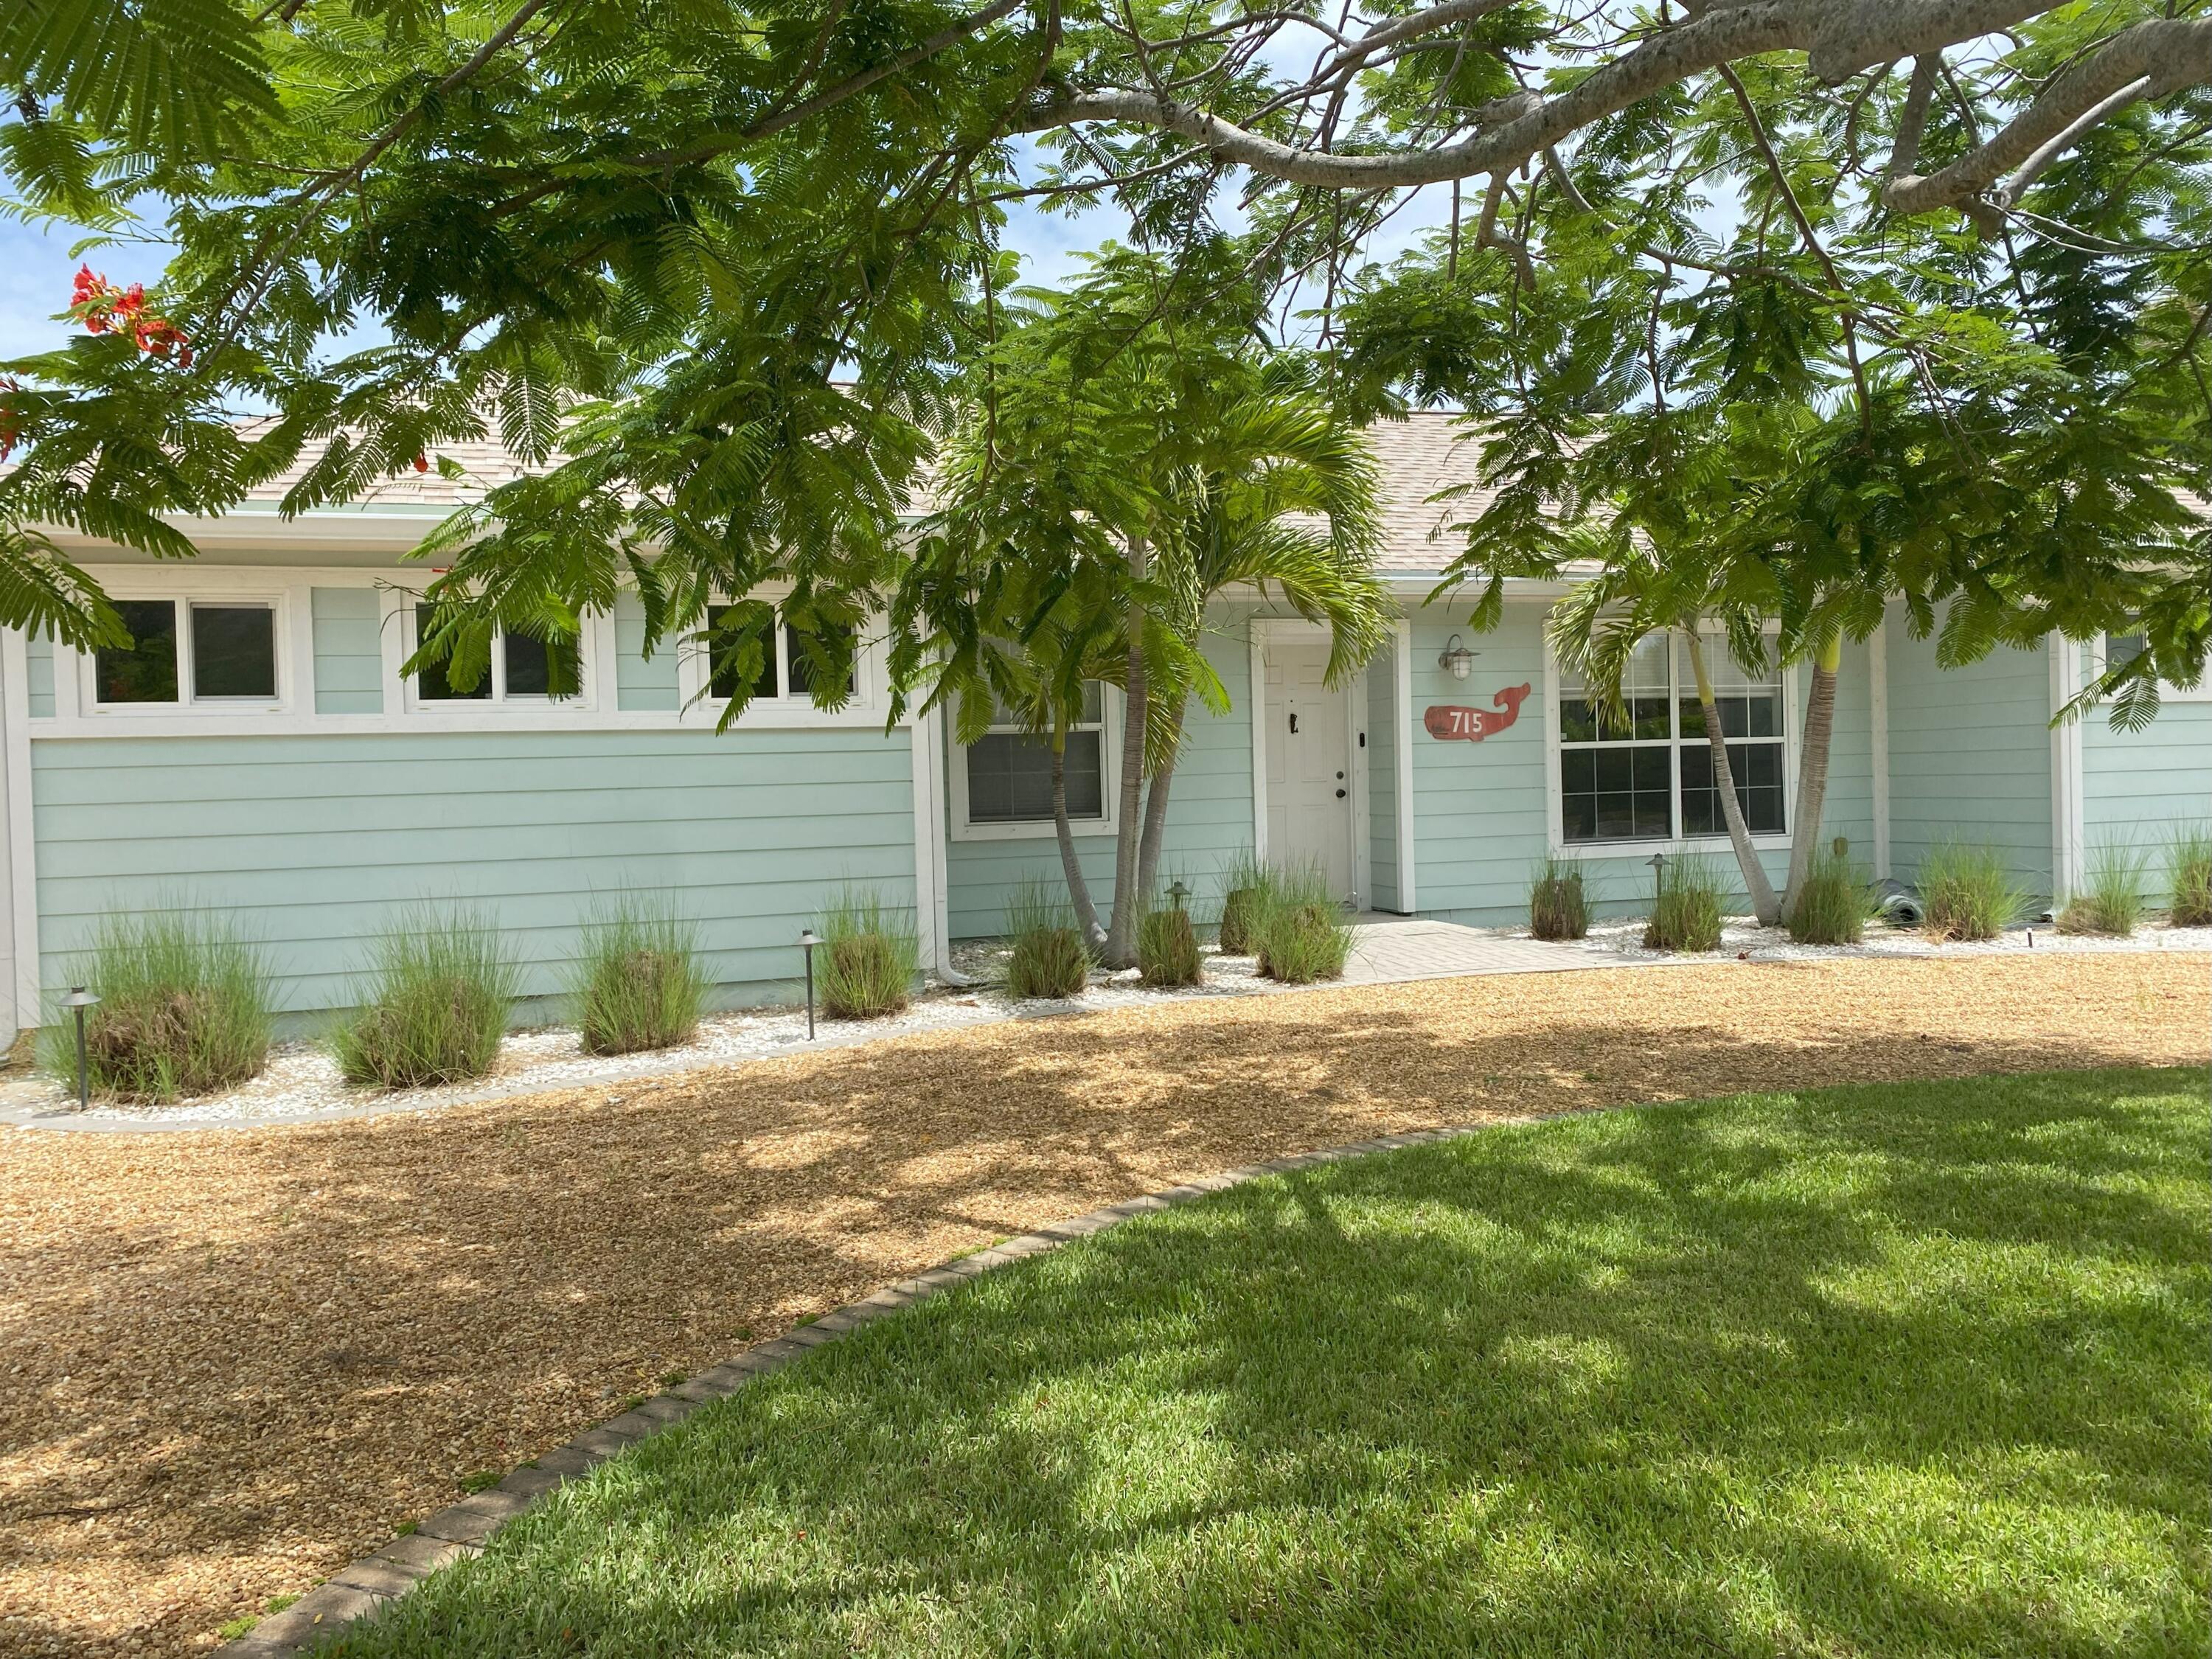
1645 771
785 668
1010 769
232 654
523 670
2119 649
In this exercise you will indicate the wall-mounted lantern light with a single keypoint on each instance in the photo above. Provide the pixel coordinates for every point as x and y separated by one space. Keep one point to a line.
1456 659
806 943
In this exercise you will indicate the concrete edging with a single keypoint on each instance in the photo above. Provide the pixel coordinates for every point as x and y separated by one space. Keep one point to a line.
462 1529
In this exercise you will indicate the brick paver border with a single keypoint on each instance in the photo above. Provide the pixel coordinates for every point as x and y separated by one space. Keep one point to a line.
462 1529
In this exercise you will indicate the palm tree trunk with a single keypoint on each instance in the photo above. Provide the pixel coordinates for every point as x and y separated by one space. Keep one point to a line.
1156 807
1079 889
1764 905
1812 767
1122 934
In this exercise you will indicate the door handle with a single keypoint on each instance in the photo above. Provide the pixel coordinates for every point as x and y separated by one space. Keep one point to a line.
1294 722
1340 794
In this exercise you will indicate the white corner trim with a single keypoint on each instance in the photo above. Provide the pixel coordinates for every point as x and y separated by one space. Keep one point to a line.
22 893
1259 728
1878 743
1363 805
929 872
2066 811
1402 682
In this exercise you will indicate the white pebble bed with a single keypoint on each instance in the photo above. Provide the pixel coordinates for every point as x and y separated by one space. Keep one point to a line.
300 1083
1742 937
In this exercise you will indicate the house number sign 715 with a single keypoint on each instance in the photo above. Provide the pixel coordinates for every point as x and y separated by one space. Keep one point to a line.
1449 722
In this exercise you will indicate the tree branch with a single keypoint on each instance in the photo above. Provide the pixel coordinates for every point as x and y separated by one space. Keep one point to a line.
2165 54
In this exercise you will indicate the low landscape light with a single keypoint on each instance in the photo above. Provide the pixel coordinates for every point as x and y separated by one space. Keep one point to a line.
807 941
1179 893
80 998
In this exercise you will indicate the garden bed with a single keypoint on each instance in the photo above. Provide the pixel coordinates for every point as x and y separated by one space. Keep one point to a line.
241 1359
1742 937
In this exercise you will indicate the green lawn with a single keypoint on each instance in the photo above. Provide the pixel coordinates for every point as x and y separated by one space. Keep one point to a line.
1915 1369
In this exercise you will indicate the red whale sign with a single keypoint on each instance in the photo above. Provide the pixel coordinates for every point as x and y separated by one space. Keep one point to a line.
1448 721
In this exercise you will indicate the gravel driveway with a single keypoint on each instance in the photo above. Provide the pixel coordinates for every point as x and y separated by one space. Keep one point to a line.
235 1360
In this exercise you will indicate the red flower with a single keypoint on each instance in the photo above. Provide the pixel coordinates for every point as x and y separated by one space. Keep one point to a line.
422 462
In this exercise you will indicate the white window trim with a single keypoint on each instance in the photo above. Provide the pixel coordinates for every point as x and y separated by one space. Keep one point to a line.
84 680
293 711
1554 811
698 706
2167 690
402 615
1109 771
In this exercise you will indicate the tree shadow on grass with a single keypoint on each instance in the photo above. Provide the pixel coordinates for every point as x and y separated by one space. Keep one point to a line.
1901 1372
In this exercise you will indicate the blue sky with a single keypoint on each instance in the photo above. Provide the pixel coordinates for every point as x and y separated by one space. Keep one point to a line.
35 265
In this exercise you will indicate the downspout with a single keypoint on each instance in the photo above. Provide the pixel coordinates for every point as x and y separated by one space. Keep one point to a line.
930 822
2066 831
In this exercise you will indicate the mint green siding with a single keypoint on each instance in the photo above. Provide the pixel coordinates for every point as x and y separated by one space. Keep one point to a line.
2138 788
1385 746
348 651
1209 816
315 843
1481 817
39 659
641 682
1969 755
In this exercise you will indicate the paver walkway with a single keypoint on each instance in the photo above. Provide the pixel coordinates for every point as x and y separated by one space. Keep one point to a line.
1389 950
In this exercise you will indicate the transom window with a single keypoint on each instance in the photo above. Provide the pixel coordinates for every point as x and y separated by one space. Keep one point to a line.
523 670
1645 771
785 669
1010 768
225 651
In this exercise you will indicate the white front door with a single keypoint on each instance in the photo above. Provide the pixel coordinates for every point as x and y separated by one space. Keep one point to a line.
1308 743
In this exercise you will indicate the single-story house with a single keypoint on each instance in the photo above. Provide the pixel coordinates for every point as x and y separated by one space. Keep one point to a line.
260 753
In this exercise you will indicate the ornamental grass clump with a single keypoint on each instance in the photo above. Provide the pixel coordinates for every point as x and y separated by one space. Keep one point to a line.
1049 958
870 958
1558 901
1966 893
442 988
183 1010
1167 950
2111 901
2189 879
1834 905
1301 936
1686 908
640 984
1247 894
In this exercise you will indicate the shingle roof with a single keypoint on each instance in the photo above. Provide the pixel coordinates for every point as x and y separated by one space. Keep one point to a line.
1418 456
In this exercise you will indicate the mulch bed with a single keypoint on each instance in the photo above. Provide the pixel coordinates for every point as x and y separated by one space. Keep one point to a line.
235 1360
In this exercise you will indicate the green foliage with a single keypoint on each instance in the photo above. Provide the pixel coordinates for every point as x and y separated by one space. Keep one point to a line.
1968 892
1300 935
1834 903
640 983
184 1009
869 956
1686 909
1248 893
1559 907
1048 958
2189 879
1167 949
441 989
2112 897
